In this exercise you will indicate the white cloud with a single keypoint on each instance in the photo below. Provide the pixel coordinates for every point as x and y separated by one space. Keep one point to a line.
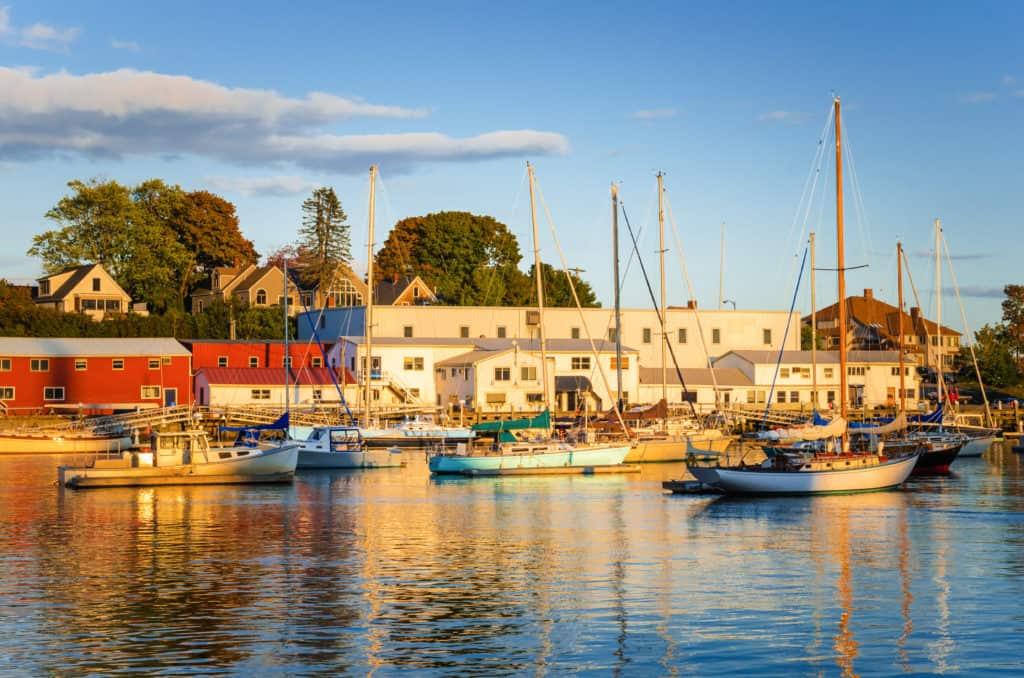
283 185
128 112
129 45
36 36
977 97
1009 80
783 116
655 114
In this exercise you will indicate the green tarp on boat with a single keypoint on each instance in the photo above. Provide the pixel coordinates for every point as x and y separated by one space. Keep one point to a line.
542 420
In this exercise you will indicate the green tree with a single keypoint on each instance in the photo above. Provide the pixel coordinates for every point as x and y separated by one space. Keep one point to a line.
556 288
1013 320
207 226
993 348
807 340
324 240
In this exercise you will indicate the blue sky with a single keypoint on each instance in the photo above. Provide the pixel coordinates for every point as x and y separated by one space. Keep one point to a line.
260 102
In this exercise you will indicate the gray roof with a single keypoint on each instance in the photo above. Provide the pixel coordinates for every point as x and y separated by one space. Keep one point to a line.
91 346
413 341
469 358
824 357
695 376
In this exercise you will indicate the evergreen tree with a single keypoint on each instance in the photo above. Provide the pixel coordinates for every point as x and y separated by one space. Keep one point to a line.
324 239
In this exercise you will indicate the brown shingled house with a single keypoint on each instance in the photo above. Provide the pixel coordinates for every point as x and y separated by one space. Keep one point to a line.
874 326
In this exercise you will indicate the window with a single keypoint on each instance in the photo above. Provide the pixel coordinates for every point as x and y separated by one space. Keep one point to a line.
260 394
254 361
528 373
935 341
534 397
440 371
280 300
286 361
895 371
113 304
261 297
166 360
495 398
574 333
154 363
53 393
781 396
501 332
794 397
830 396
307 299
647 335
580 362
44 288
343 293
222 361
117 364
830 372
318 394
502 374
39 365
625 396
414 393
750 397
150 392
910 394
464 331
613 364
95 284
316 361
407 331
611 334
766 337
6 393
857 371
681 335
784 373
81 364
90 304
762 396
375 394
5 364
716 336
413 363
415 292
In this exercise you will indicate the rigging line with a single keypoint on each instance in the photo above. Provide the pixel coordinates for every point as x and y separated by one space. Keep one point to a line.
858 195
572 287
967 330
689 290
323 351
657 311
785 335
917 300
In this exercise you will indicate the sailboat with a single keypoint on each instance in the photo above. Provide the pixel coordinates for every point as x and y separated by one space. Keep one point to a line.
831 467
509 452
344 446
665 442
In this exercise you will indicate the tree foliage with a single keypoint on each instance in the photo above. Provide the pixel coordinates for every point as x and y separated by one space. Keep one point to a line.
557 291
807 338
1013 320
994 351
324 240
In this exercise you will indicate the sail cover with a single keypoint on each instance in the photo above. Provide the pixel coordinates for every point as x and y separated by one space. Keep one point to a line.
542 420
832 429
897 424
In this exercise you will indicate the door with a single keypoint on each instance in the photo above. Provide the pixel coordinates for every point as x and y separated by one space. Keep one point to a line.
170 397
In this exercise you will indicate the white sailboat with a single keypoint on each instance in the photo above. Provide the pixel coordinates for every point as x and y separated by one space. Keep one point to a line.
832 469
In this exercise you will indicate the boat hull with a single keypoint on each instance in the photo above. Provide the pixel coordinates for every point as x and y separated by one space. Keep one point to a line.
938 459
58 444
275 464
588 456
656 451
757 481
367 458
975 447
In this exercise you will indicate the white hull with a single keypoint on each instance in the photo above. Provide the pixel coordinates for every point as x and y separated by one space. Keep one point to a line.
975 447
61 444
554 455
757 481
675 449
377 457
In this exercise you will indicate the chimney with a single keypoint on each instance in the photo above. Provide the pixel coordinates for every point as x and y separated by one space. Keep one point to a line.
394 279
915 313
691 304
869 293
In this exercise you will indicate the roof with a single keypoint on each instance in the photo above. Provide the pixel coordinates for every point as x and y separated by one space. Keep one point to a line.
412 341
78 274
386 292
469 358
92 346
695 376
805 357
485 348
270 376
872 312
243 342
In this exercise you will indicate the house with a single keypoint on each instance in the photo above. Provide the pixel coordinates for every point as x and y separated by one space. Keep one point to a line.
873 325
701 384
251 353
348 289
873 378
87 289
92 375
307 388
260 286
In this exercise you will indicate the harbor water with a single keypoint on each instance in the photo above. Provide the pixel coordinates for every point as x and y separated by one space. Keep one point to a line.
392 571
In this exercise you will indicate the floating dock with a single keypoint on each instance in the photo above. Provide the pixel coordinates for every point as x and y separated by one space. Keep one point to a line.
555 471
81 482
688 487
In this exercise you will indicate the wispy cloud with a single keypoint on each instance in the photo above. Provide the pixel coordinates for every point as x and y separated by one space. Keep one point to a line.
976 292
655 114
36 36
930 254
977 97
283 185
129 45
1008 80
783 116
128 112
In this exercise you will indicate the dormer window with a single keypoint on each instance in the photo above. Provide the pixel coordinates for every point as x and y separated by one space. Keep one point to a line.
261 297
44 288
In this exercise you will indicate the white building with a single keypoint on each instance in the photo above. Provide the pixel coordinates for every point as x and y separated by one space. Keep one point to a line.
309 387
873 378
724 331
732 385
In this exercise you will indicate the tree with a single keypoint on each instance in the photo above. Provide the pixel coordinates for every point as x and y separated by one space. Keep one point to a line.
1013 320
807 341
469 259
994 351
324 241
207 226
557 291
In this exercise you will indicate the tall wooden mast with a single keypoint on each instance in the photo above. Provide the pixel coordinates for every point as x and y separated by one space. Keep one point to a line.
661 263
814 334
618 306
540 291
840 266
899 322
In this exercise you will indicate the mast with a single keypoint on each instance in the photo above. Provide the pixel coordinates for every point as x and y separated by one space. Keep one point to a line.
899 322
940 379
287 360
721 267
661 263
814 335
618 308
368 367
540 290
840 266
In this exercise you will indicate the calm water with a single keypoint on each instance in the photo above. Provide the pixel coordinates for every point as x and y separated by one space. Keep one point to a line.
390 571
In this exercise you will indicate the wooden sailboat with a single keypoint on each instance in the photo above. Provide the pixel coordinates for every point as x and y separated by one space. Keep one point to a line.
832 468
544 453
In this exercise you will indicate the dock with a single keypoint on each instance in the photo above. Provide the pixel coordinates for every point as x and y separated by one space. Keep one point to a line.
86 482
689 487
556 471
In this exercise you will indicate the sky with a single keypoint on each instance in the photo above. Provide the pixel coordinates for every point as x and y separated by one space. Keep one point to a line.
261 102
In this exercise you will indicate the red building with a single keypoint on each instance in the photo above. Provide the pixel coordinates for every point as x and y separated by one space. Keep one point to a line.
92 375
250 353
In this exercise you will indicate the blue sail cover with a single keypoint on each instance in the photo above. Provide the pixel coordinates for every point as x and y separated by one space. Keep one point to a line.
280 425
933 417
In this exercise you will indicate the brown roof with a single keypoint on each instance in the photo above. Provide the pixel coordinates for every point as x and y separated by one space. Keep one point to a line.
78 276
872 312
